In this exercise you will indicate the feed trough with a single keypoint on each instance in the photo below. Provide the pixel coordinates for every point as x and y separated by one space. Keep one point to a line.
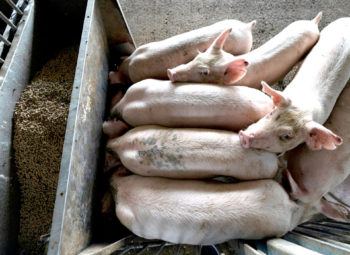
77 227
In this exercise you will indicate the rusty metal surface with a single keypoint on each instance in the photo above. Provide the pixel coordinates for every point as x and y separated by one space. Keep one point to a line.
14 76
71 227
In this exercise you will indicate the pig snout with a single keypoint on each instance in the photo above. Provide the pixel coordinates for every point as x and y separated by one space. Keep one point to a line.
179 73
171 75
245 139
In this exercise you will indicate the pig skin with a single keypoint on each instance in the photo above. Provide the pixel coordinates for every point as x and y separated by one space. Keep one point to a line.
203 212
318 172
191 153
308 100
153 59
192 105
270 62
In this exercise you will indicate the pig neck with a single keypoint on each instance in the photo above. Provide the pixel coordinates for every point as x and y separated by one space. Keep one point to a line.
320 80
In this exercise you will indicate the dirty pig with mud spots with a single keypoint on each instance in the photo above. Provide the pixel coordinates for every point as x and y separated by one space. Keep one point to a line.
191 153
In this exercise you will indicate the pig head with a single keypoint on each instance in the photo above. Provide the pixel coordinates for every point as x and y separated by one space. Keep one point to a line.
212 66
286 127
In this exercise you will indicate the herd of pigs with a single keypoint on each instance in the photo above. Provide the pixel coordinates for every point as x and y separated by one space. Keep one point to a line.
195 112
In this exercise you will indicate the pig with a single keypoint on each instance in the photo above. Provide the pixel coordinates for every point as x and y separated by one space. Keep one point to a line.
317 172
192 105
153 59
270 62
205 212
341 193
306 103
190 153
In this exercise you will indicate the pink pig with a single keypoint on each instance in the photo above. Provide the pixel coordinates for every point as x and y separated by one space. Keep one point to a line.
341 193
270 62
317 172
190 153
153 59
192 105
308 100
206 212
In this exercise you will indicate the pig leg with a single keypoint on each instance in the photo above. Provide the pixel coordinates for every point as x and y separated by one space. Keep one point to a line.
114 128
116 77
116 98
111 161
330 196
107 199
107 203
334 211
296 192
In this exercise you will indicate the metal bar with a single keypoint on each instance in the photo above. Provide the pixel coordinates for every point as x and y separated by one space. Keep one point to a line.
7 42
279 246
329 229
161 249
142 250
321 235
1 61
315 244
7 21
337 225
14 6
249 250
178 249
335 234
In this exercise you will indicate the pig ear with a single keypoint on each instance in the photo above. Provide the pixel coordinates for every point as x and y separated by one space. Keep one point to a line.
252 24
318 18
219 42
235 71
278 98
334 211
319 137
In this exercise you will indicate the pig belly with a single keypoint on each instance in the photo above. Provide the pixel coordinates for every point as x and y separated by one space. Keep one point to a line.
192 105
191 153
201 213
152 60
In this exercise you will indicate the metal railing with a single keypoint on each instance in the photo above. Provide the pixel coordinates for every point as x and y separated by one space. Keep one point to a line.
11 13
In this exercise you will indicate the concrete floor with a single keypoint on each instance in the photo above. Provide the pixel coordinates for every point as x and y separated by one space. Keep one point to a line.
152 20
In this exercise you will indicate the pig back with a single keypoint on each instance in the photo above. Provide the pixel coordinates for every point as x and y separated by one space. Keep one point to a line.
191 153
192 105
274 59
153 59
324 72
198 212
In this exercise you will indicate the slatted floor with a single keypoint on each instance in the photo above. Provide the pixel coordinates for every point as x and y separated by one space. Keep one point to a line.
325 237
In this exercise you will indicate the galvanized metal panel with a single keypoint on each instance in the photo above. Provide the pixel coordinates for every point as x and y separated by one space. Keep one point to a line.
71 227
14 76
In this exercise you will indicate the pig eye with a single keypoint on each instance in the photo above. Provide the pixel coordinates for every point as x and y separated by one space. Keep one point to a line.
285 137
204 72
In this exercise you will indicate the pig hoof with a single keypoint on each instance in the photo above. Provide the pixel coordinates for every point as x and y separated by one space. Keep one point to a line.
114 128
115 78
244 139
